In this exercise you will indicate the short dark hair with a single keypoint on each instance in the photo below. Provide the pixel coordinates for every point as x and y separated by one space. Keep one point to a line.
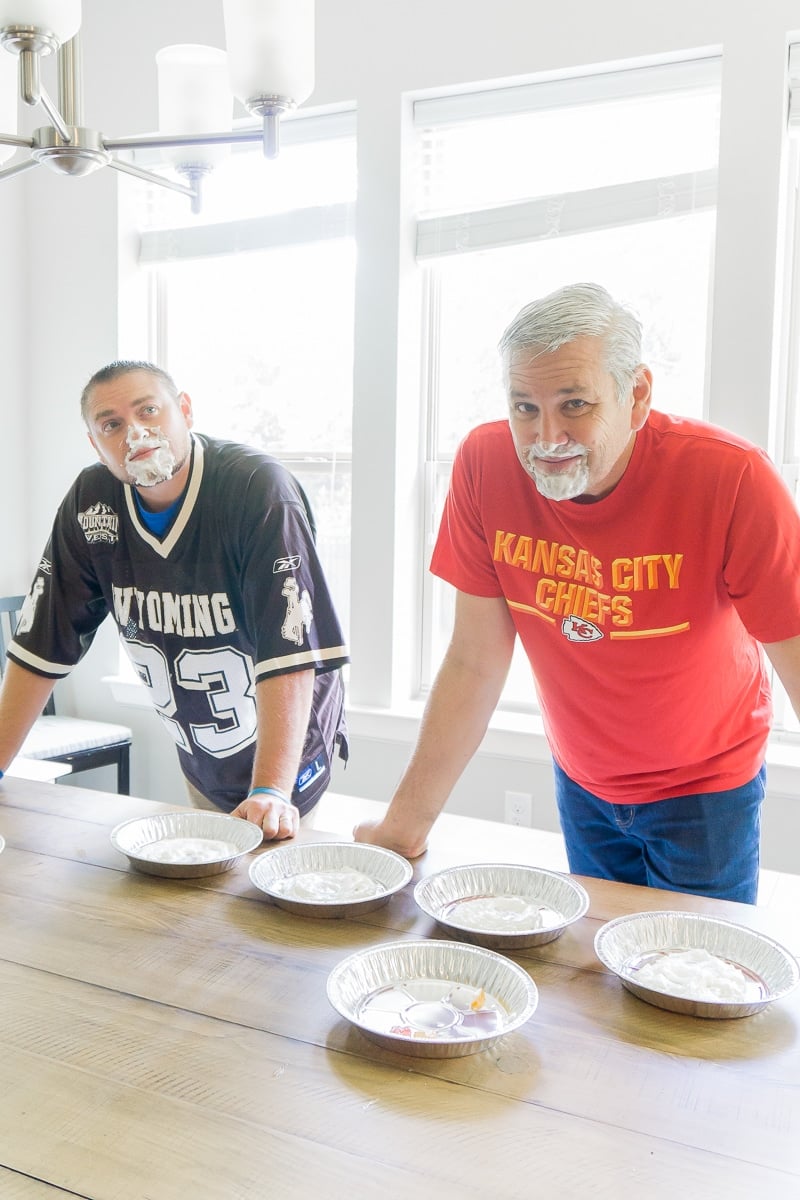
124 366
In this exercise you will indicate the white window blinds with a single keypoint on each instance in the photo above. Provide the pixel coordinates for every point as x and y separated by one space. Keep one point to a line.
567 156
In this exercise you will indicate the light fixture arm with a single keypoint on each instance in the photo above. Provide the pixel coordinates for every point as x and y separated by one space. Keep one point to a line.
18 168
162 141
270 109
30 84
70 81
151 177
30 43
14 139
59 124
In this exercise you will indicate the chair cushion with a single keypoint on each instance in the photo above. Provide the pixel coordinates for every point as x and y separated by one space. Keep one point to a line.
66 735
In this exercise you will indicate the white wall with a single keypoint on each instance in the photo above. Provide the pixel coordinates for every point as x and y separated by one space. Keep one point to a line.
376 53
14 393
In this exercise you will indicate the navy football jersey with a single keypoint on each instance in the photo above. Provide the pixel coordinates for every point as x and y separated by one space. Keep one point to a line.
232 593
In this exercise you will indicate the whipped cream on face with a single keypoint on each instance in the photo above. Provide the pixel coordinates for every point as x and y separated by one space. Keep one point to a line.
150 469
696 975
502 914
339 883
187 850
561 485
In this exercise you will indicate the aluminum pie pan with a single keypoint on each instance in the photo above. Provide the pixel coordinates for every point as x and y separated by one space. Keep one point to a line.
132 837
562 899
432 999
626 943
274 870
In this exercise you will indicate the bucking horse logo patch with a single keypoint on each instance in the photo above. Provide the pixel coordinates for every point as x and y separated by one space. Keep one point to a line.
299 613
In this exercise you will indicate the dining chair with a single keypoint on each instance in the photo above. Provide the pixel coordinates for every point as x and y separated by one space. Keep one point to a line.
81 743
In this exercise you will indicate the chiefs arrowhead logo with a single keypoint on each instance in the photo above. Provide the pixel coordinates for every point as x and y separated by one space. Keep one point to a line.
576 630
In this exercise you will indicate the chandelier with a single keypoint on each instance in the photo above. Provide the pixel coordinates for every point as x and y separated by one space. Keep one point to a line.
268 66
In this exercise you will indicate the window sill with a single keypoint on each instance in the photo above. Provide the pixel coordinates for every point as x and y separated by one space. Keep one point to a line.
510 735
514 735
521 736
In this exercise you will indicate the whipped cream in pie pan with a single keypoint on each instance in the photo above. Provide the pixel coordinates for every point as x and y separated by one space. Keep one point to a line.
502 906
329 879
185 844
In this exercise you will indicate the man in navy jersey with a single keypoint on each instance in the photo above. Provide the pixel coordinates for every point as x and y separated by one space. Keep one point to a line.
203 553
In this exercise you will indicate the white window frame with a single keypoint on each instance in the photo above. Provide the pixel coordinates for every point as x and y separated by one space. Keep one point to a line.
786 433
787 436
296 227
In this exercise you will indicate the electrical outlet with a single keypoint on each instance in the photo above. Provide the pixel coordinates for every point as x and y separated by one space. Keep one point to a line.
519 808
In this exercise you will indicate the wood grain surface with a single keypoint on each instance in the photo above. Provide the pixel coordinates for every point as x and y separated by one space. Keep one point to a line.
168 1038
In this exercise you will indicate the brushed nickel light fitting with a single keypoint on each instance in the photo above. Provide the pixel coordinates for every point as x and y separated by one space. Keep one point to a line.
268 65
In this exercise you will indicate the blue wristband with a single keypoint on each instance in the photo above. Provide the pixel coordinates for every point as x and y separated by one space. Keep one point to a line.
2 773
268 791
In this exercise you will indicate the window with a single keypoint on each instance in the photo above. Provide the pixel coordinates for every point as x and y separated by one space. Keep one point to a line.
788 423
252 311
610 178
788 438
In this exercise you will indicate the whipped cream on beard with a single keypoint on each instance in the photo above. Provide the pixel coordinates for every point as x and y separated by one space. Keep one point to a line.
561 485
150 469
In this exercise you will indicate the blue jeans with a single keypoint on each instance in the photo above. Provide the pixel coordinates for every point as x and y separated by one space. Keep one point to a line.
707 844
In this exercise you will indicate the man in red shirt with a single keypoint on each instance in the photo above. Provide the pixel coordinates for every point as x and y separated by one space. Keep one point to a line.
644 561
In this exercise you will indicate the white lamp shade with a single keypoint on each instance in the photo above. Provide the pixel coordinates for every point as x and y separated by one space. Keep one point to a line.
8 100
194 96
270 48
60 17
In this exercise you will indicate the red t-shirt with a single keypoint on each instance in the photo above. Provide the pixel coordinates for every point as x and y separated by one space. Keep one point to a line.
639 612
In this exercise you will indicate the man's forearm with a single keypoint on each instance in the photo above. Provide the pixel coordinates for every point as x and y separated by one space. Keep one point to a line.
785 658
22 698
284 708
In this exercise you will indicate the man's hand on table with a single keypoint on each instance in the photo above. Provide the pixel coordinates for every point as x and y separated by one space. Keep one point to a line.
381 833
277 818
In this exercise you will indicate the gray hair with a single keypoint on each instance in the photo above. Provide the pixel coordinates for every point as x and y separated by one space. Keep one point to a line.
124 366
579 310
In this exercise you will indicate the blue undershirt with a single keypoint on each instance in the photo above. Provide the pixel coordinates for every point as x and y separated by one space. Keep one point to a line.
157 522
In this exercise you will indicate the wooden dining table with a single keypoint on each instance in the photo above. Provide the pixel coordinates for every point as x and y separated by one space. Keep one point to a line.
172 1039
